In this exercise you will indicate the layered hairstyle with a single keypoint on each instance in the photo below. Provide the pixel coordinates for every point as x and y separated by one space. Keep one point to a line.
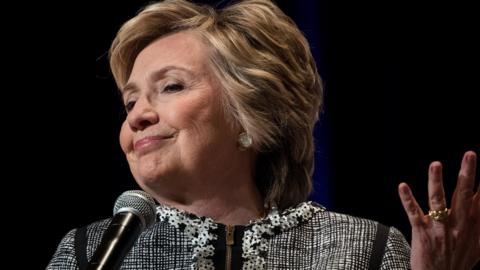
269 81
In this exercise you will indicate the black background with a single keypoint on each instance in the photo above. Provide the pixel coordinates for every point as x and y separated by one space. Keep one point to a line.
401 84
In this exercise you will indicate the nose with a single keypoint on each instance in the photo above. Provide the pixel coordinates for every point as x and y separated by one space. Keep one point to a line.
142 115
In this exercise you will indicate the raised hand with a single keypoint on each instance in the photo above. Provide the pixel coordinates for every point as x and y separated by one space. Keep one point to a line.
445 239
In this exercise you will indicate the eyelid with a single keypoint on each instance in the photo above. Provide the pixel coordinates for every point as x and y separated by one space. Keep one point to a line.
178 86
129 105
129 90
126 97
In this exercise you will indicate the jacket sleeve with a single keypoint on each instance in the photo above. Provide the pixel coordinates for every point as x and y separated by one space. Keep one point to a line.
397 252
65 258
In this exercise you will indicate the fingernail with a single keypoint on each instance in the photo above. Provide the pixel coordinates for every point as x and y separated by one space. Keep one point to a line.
436 167
470 158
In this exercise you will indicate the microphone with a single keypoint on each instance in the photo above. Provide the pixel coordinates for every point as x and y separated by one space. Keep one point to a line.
134 211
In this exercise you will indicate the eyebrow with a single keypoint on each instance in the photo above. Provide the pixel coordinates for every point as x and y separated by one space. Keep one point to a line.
155 75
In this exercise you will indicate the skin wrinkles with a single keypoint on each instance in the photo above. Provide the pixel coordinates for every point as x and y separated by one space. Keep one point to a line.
187 156
161 76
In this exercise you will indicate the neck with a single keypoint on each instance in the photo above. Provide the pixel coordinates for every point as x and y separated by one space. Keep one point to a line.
227 194
231 204
229 197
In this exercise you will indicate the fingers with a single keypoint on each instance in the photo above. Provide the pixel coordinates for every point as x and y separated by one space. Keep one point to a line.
466 176
471 168
414 212
436 194
463 197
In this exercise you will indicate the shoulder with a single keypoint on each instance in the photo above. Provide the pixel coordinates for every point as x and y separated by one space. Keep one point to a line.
336 230
338 240
65 257
397 251
313 216
358 235
343 227
310 223
94 233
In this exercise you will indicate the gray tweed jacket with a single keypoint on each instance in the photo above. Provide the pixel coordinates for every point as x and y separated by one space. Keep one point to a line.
303 237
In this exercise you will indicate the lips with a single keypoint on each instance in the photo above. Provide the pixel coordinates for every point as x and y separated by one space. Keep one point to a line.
150 142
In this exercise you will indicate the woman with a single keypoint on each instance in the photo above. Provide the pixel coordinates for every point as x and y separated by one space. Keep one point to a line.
221 107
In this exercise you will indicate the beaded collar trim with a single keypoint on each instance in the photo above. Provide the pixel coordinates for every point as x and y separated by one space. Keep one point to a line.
200 231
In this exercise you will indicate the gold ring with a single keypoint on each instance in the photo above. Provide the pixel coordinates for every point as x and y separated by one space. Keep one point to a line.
438 215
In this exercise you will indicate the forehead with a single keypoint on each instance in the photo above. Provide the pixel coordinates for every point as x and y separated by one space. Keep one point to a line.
183 49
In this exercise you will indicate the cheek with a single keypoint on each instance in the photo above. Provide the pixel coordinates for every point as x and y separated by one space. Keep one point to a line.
125 138
189 114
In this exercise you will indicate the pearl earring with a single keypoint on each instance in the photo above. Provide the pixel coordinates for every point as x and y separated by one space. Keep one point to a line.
245 140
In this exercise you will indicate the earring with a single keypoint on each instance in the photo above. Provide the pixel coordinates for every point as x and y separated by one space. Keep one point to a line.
245 140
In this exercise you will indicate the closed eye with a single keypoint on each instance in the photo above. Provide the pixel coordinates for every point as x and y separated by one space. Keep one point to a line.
174 87
129 106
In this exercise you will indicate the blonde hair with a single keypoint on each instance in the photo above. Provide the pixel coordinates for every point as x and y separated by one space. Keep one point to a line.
264 66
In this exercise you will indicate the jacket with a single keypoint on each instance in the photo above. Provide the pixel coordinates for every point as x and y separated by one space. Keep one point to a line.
302 237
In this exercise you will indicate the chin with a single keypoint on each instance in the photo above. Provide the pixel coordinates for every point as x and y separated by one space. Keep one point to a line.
148 177
150 182
146 172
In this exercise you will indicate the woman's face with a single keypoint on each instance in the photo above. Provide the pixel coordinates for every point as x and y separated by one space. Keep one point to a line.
175 134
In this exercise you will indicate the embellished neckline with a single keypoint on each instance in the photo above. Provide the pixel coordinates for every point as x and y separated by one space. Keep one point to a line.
201 232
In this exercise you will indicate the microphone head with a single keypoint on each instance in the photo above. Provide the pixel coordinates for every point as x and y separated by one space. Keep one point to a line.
139 203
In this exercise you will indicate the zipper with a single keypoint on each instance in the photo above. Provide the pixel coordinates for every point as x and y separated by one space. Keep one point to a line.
229 241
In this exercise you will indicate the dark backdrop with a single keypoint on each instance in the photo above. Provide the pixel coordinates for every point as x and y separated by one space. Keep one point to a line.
400 77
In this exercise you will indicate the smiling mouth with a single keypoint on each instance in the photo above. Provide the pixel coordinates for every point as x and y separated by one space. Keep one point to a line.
150 142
